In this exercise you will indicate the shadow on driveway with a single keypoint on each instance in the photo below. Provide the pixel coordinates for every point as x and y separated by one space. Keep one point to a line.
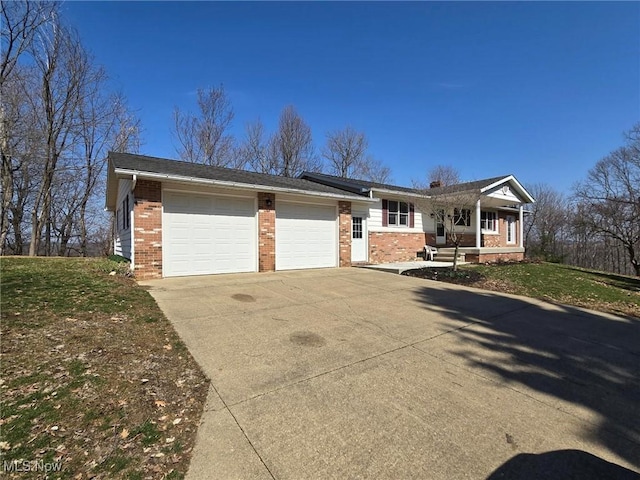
564 356
561 464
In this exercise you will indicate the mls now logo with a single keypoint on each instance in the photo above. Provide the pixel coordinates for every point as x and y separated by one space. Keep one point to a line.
31 466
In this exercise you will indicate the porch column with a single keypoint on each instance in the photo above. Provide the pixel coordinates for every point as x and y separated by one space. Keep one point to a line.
478 229
521 225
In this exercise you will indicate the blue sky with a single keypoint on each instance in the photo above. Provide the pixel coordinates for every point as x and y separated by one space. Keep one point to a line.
541 89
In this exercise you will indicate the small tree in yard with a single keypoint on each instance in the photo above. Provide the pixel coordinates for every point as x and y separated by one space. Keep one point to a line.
449 205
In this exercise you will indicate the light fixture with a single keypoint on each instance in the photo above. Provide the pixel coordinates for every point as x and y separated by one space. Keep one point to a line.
268 202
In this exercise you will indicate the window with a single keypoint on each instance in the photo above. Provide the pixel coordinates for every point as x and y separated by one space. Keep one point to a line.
489 221
356 227
511 229
398 213
125 213
462 217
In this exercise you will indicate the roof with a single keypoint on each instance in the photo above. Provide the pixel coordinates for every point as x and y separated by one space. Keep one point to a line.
476 185
165 169
363 187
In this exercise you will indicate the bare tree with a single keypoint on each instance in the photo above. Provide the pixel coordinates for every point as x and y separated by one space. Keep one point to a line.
204 137
546 223
290 148
610 197
104 123
63 68
374 170
345 151
57 120
255 149
443 175
20 22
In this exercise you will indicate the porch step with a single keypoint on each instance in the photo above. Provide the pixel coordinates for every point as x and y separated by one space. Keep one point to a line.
448 254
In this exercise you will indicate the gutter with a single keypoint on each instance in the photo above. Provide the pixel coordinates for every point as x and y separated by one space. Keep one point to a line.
203 181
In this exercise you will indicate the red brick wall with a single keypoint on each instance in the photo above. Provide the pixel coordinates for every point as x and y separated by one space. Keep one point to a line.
147 214
466 240
394 247
492 240
494 257
344 210
266 232
500 240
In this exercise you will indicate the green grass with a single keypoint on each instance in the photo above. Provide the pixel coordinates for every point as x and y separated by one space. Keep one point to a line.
566 284
64 287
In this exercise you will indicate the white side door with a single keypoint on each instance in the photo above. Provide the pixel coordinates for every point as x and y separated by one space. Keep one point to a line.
359 236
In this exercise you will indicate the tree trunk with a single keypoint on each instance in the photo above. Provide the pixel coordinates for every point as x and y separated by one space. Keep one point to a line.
7 195
455 256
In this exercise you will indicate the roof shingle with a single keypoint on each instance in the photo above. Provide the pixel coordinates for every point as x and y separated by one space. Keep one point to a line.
162 166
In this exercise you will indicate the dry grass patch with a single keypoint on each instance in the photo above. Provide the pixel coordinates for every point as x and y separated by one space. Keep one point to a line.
94 380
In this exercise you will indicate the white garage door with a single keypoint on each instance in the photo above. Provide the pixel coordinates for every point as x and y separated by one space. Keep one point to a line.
306 236
203 234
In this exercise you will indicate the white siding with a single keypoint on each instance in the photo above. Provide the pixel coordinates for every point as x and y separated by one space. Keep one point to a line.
375 218
122 241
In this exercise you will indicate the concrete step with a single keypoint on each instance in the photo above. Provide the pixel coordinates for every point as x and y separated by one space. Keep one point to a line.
448 257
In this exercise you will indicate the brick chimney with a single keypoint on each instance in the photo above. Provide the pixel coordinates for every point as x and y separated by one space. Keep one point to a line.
434 184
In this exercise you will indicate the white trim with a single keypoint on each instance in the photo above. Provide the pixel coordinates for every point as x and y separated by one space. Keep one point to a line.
393 229
398 193
519 187
248 186
521 226
210 193
496 222
510 225
478 230
132 225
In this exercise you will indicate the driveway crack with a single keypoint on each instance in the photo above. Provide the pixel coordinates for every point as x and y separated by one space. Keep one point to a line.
243 432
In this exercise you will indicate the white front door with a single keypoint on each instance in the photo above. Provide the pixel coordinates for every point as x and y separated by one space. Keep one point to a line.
441 234
359 238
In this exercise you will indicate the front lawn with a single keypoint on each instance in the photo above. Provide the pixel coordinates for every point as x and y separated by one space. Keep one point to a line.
606 292
94 381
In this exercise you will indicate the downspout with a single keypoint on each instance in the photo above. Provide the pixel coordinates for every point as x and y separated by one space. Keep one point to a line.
132 223
478 229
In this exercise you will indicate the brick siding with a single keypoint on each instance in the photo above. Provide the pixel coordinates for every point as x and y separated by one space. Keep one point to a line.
344 209
266 232
494 257
387 247
147 214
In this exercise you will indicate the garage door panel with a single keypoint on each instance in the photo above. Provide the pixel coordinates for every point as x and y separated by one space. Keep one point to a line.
205 234
306 236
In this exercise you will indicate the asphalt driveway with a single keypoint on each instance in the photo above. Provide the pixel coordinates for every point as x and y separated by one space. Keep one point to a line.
354 373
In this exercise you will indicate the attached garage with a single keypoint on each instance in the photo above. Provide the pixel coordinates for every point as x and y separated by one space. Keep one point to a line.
206 234
306 236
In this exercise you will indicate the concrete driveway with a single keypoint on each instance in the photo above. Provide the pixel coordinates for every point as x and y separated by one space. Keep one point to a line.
354 373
